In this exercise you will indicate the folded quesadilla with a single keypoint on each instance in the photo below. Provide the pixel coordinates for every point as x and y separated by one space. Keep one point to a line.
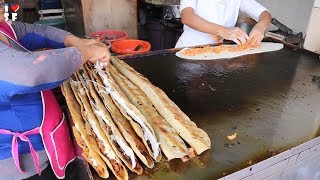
122 123
120 146
170 142
136 119
188 130
106 151
80 133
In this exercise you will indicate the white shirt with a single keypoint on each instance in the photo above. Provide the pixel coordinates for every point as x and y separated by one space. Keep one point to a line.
221 12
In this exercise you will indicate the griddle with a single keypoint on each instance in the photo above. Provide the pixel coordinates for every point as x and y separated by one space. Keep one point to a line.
271 100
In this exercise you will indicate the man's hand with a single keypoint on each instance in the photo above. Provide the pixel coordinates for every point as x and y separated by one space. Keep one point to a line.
257 34
234 34
95 52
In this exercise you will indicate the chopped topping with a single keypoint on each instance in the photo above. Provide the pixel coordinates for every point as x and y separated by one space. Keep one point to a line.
219 49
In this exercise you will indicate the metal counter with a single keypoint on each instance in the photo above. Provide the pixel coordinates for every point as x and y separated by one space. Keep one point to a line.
271 100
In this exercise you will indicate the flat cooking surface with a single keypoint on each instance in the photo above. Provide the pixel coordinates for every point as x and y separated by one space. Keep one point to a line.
271 100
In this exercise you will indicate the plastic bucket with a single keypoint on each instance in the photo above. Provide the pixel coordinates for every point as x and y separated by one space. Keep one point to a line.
128 46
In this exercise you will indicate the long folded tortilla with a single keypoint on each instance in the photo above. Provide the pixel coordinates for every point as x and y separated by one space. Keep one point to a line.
108 154
122 123
136 119
120 146
188 130
83 139
170 142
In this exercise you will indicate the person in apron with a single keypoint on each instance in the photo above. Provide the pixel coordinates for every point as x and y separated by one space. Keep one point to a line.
34 134
211 21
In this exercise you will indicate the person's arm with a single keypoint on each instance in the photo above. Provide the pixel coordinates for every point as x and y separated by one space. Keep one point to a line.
191 19
257 33
27 72
38 36
261 15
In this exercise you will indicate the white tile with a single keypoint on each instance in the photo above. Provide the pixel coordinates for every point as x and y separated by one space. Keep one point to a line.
269 171
308 153
293 160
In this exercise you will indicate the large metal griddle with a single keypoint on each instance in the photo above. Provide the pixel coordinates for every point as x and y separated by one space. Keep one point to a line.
272 100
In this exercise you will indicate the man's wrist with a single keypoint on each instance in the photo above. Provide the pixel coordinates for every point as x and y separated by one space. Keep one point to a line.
221 31
262 26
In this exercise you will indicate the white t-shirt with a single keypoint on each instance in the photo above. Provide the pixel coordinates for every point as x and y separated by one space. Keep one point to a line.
222 12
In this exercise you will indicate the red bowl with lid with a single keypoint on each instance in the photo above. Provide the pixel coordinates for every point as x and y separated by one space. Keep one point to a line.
109 35
130 46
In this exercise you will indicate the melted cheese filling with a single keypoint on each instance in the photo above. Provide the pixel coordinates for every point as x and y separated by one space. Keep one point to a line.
126 149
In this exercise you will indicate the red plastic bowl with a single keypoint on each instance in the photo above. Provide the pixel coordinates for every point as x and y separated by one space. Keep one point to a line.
109 35
127 46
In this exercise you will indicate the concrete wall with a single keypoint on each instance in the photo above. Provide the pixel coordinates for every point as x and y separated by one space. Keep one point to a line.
293 13
110 14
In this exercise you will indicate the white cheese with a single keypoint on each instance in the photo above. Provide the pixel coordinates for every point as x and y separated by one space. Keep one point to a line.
108 151
126 149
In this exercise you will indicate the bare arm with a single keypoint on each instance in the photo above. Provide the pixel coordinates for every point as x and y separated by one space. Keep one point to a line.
189 18
257 33
102 52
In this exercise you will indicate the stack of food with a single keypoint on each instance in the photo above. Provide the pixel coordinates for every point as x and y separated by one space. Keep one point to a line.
123 121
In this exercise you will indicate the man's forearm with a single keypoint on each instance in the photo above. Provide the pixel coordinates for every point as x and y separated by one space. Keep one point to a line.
265 20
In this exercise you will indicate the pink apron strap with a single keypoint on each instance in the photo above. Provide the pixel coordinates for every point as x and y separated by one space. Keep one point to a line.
6 28
15 152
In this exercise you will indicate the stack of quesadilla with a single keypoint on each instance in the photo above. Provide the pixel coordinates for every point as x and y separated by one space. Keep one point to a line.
121 120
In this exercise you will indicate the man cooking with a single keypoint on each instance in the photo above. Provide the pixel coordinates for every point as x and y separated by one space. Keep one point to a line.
211 21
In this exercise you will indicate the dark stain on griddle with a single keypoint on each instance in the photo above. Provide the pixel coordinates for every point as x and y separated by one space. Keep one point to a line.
316 80
250 92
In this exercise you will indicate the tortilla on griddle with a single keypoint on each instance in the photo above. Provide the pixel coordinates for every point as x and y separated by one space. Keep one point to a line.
188 130
170 142
122 123
83 139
